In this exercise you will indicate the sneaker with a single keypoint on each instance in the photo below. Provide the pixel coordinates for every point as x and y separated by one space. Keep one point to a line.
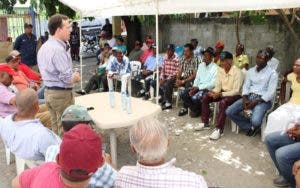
147 96
280 182
215 135
183 112
202 126
253 131
166 106
81 92
141 93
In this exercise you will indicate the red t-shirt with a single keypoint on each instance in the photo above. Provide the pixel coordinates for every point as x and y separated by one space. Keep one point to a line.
45 176
29 73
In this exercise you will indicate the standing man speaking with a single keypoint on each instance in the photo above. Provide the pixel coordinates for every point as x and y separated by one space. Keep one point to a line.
55 64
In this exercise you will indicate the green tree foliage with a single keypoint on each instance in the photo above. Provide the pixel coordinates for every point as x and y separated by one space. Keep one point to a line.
7 5
50 6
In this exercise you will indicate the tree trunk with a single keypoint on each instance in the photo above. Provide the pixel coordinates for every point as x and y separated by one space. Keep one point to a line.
238 27
134 31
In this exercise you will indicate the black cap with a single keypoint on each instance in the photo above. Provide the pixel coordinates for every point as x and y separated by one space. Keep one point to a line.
209 50
226 55
171 47
27 25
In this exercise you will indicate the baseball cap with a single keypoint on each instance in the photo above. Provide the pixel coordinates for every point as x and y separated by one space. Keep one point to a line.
76 113
226 55
6 68
219 44
171 47
27 25
80 152
209 50
151 41
114 48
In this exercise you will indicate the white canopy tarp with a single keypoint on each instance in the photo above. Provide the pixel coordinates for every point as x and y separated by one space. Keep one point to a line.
89 8
93 8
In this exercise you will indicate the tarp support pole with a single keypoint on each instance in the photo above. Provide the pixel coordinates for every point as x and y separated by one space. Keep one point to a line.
157 52
80 51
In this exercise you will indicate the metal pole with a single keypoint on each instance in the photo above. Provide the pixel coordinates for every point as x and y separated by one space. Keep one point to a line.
80 51
157 52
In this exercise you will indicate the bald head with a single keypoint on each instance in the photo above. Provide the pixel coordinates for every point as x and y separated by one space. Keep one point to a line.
27 101
149 138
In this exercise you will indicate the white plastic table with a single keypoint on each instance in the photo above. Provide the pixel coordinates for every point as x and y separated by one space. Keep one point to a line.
106 117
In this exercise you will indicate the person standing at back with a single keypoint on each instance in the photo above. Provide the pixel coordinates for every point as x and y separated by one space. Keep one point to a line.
55 64
26 44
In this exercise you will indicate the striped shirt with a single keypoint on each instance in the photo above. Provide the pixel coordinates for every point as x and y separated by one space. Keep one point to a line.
163 176
188 66
170 67
55 63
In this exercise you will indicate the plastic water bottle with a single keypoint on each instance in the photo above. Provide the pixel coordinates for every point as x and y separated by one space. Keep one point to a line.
124 101
112 99
128 101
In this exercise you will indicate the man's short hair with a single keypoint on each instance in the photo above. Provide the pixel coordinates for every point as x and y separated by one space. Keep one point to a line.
120 39
271 51
189 46
26 99
194 40
55 22
149 138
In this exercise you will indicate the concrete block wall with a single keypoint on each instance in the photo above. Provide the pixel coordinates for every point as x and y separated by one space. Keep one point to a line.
254 37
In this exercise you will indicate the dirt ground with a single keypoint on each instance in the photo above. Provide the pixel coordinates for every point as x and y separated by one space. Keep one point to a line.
234 161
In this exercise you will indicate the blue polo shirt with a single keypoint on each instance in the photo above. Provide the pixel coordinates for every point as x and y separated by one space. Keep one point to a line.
27 47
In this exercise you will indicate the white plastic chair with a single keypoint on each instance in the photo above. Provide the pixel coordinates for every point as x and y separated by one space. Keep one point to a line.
177 94
22 163
135 68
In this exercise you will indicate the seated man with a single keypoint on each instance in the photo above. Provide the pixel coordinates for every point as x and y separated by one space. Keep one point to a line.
227 90
79 157
24 135
147 51
74 115
99 77
8 97
272 61
21 81
197 48
149 141
287 114
149 68
168 77
284 149
240 60
186 74
204 81
119 68
135 54
258 91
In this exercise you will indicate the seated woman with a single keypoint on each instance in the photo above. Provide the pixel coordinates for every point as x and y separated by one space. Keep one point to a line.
287 114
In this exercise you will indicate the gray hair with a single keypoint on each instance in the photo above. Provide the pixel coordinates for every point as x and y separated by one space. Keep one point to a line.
149 138
25 100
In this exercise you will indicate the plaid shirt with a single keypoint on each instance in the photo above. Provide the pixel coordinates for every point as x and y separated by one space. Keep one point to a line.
188 66
163 176
170 67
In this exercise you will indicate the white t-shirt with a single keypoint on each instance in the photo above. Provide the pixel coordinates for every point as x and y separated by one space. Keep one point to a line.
112 42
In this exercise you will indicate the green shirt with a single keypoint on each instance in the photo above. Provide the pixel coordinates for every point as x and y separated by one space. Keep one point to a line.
135 55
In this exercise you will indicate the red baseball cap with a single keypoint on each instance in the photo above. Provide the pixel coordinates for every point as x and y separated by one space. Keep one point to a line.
6 68
151 41
80 152
219 44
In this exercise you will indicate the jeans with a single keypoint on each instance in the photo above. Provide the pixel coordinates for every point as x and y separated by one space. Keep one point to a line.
258 113
224 102
166 90
94 83
125 79
193 102
284 152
